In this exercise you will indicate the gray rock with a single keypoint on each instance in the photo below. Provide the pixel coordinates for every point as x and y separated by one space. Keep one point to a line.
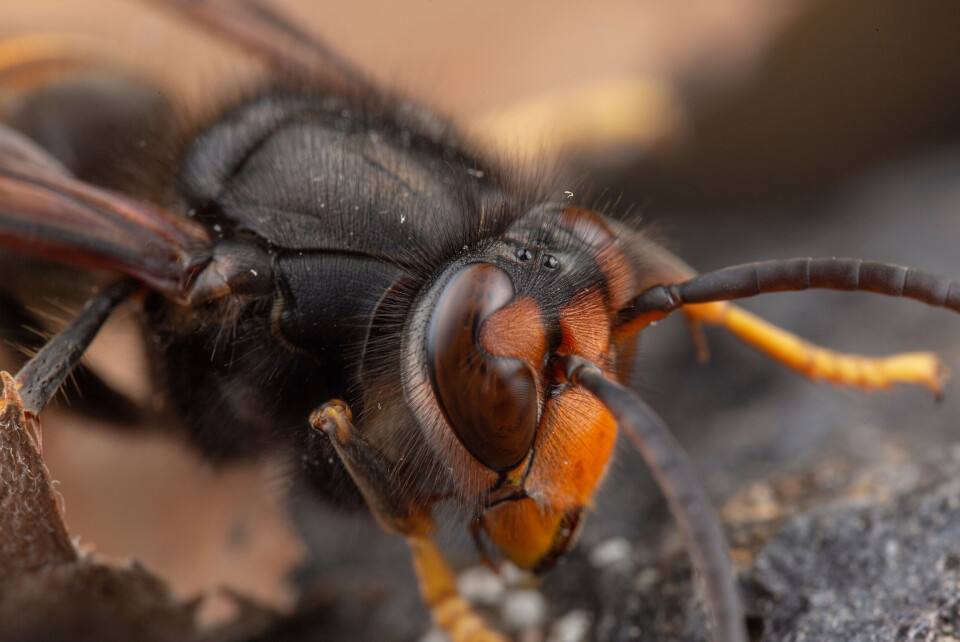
859 570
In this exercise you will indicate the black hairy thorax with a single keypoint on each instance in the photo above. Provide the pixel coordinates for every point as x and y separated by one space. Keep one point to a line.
359 207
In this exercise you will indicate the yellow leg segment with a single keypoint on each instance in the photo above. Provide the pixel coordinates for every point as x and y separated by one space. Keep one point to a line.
399 513
816 363
438 588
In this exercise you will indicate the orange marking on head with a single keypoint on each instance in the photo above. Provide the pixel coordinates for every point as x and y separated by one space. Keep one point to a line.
573 447
585 327
587 226
516 331
625 356
613 262
522 530
574 444
618 273
637 324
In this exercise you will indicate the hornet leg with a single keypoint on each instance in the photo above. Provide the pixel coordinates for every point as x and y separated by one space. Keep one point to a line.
816 363
41 377
34 534
397 513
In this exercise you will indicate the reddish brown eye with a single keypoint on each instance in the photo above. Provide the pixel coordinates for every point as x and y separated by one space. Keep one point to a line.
490 402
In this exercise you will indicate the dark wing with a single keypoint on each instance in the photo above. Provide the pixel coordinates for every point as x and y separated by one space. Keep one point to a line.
48 214
261 30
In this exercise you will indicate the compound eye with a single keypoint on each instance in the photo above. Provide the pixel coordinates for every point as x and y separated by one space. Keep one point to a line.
490 401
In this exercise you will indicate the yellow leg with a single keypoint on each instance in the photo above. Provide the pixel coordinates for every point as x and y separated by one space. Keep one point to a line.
438 588
397 512
814 362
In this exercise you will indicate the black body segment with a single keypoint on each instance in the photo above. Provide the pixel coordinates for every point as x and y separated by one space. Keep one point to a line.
329 302
352 183
372 200
104 126
367 199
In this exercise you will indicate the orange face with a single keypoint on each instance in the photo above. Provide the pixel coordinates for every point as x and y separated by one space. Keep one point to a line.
529 446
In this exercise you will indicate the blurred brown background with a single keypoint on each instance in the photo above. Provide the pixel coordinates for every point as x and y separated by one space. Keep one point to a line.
800 128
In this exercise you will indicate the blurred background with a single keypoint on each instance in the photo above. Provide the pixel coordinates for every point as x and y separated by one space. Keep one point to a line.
759 130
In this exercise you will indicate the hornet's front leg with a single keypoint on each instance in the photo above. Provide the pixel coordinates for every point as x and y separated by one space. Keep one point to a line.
397 512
